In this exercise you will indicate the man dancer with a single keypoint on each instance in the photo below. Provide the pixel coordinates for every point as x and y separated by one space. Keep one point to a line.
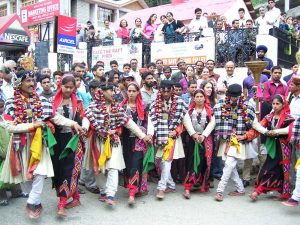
232 118
25 114
167 113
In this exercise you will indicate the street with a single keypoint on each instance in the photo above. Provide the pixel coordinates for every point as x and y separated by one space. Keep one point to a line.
174 209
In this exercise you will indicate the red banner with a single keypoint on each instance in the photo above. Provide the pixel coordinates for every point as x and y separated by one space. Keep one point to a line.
40 12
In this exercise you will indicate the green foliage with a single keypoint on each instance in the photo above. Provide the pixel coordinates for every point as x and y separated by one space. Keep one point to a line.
152 3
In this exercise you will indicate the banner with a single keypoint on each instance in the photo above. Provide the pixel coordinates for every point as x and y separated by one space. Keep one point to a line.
79 56
123 54
40 12
66 35
190 52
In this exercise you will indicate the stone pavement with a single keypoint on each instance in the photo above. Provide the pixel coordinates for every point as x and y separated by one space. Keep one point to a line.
201 209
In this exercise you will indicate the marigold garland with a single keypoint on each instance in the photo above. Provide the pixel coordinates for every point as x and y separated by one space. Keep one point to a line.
158 110
227 108
21 107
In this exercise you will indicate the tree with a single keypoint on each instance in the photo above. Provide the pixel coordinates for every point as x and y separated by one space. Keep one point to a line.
152 3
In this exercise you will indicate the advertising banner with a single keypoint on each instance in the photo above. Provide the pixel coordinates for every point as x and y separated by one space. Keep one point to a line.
66 35
122 54
40 12
79 56
190 52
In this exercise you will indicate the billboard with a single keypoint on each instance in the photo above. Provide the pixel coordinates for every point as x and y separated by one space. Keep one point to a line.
190 52
66 34
122 54
40 12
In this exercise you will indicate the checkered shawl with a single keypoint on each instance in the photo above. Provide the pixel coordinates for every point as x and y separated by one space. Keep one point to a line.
10 109
9 114
296 130
224 127
161 126
96 118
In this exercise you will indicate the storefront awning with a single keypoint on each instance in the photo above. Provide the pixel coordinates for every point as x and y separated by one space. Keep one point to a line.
12 33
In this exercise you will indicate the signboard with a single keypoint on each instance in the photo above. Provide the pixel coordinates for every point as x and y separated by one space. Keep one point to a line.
190 52
15 34
122 54
40 12
79 56
66 35
41 54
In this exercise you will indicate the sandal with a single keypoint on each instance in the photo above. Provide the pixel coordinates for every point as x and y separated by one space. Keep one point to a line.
219 197
187 195
236 193
4 202
254 196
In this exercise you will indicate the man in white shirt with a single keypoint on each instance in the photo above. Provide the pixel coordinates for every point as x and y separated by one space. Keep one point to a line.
230 78
261 22
135 72
272 16
199 23
242 20
107 34
167 73
7 87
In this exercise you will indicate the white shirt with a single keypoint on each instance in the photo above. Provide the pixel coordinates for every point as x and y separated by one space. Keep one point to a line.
272 17
105 31
137 76
242 23
262 25
163 77
196 24
295 107
7 89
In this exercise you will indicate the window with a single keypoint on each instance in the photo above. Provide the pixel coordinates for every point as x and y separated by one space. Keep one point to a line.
28 2
104 14
3 10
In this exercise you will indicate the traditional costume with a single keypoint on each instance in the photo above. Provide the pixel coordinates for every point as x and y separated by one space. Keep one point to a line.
105 150
200 155
275 172
68 152
134 148
28 156
228 122
166 116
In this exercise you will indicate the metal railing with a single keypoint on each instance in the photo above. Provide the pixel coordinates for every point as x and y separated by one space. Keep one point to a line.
288 45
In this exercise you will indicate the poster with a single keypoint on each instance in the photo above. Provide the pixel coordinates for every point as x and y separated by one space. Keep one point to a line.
190 52
122 53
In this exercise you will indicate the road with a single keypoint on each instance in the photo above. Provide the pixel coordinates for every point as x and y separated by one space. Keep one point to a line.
201 209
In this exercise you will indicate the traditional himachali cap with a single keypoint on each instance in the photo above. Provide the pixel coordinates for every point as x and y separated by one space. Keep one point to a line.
106 86
128 75
21 75
234 90
261 47
296 79
166 84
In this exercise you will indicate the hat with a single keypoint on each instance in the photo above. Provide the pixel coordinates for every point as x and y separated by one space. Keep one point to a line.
180 61
107 86
166 84
261 47
296 79
234 90
128 75
20 76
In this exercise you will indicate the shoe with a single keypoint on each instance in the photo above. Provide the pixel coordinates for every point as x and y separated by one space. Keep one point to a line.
61 212
21 195
187 194
219 197
236 193
246 183
131 201
160 194
94 190
141 193
170 190
80 191
102 197
110 200
34 211
291 203
211 184
72 204
4 202
254 196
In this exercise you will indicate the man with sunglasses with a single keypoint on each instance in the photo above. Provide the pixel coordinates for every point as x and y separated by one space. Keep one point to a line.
272 16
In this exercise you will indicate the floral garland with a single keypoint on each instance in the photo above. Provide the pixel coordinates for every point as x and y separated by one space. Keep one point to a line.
227 108
159 105
21 112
